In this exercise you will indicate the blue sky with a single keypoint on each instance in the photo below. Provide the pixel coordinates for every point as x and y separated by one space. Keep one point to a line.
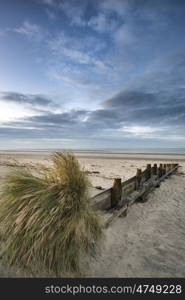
92 74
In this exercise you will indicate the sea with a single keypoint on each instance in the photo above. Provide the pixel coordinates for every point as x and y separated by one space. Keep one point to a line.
133 150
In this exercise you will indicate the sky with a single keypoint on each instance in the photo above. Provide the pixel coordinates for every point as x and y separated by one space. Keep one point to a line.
86 74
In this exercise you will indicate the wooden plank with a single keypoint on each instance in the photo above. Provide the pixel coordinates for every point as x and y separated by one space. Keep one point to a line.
116 192
160 170
149 168
154 170
138 179
102 200
128 186
144 176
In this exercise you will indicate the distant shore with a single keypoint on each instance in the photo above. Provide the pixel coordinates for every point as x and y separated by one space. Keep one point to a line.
97 155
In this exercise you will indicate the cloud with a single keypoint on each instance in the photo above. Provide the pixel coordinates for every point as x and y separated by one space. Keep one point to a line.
131 98
141 131
77 60
118 59
71 81
102 23
72 48
119 7
64 119
30 30
116 120
30 99
64 125
20 106
147 109
150 107
74 11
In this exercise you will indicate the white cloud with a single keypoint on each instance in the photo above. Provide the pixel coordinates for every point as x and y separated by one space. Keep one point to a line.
69 80
74 12
142 131
12 111
120 7
29 30
60 47
102 23
78 50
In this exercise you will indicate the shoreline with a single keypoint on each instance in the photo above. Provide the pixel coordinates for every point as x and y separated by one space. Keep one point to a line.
98 155
95 152
101 168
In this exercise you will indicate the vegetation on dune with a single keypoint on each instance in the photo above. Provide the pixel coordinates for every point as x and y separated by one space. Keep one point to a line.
46 219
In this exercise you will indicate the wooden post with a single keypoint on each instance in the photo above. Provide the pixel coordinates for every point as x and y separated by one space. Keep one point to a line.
160 170
116 192
164 168
155 169
138 178
149 170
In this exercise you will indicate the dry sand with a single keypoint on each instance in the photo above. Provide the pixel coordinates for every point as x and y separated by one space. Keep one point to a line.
150 241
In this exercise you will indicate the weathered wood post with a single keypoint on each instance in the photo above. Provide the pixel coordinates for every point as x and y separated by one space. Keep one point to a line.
138 178
155 169
165 170
160 170
149 171
116 192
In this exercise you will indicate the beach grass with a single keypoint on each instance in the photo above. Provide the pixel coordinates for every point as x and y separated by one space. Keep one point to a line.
46 219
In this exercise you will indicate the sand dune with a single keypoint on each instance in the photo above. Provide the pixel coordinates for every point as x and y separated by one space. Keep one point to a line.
150 241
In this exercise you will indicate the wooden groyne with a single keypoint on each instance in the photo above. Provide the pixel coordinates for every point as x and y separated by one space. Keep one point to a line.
115 201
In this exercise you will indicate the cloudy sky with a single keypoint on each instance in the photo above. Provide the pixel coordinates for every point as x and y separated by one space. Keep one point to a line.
92 73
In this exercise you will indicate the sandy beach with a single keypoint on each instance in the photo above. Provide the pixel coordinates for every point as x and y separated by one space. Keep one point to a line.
150 241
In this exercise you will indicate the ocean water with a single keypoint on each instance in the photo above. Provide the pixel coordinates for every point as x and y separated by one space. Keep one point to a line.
148 150
110 150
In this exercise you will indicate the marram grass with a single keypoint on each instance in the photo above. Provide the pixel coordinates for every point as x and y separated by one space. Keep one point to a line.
46 219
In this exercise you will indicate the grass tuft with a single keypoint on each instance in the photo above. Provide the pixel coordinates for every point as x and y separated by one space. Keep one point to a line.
46 218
